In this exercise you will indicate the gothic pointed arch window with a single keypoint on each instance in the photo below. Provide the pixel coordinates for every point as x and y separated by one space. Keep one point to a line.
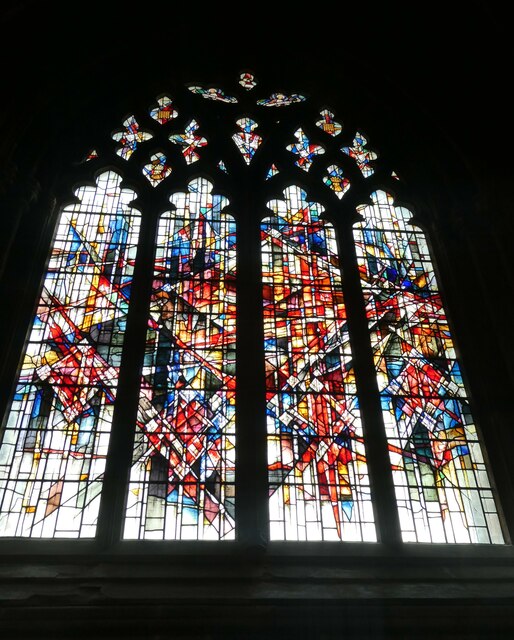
241 336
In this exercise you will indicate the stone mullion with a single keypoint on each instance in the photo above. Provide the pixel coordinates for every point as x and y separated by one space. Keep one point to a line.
119 457
251 456
379 465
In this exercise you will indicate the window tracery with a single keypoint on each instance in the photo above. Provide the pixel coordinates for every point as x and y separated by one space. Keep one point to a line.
182 481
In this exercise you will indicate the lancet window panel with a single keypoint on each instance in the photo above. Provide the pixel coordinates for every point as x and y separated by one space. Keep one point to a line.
182 478
53 452
318 478
442 487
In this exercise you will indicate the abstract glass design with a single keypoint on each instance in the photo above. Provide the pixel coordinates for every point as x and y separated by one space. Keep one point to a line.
247 80
442 486
182 479
222 166
157 169
92 155
328 124
281 100
211 93
130 137
336 180
273 171
54 447
318 478
247 140
361 155
305 150
190 142
164 112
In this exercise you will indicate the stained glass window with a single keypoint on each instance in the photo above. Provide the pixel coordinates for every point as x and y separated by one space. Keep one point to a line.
328 124
53 452
213 93
247 80
318 477
327 372
92 155
362 156
164 112
182 479
273 171
246 139
442 486
130 137
305 150
281 100
189 142
336 181
157 169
